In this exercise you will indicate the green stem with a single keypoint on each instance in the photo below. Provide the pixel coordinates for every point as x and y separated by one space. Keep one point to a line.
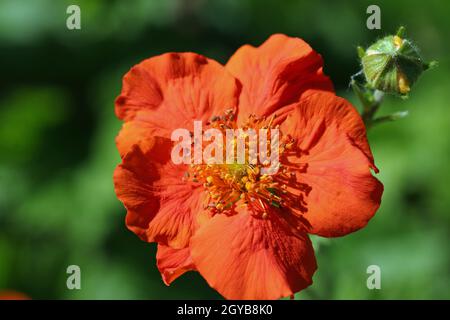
369 114
371 101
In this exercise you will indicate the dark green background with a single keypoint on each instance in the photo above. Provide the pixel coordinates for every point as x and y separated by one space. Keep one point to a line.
57 152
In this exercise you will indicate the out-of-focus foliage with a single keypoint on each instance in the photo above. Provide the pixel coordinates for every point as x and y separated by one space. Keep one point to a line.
57 153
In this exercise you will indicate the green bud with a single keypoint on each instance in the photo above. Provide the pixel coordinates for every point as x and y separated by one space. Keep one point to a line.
392 64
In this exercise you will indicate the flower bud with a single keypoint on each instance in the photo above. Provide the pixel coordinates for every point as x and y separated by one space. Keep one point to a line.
392 64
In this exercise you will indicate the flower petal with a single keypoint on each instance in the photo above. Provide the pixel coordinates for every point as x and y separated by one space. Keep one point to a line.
13 295
243 257
275 74
172 263
174 89
135 132
160 206
335 161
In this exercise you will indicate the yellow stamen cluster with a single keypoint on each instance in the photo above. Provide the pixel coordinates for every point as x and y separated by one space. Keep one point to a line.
234 184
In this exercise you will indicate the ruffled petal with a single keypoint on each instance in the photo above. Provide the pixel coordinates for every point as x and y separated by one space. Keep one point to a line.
161 207
172 90
136 132
333 164
275 74
172 263
243 257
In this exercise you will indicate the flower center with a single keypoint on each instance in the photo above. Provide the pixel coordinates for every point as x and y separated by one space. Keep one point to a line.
246 180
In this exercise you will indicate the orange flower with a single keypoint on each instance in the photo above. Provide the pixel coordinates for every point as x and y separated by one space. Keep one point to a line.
244 232
13 295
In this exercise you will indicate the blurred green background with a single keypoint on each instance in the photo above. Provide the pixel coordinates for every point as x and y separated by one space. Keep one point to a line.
57 152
